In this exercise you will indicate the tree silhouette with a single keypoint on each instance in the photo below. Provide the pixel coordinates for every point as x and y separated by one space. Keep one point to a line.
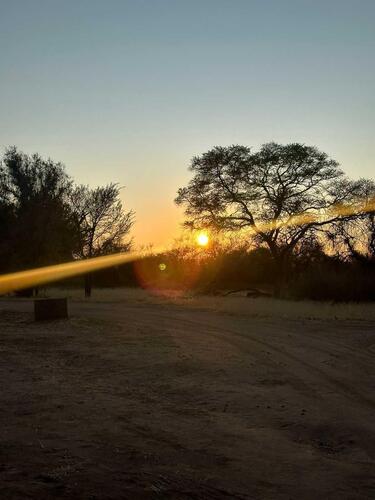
34 210
354 238
101 223
234 188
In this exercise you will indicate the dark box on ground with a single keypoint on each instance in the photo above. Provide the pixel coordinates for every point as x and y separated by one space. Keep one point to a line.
48 309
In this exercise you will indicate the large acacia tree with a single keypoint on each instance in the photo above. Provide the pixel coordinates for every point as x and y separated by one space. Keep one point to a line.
282 193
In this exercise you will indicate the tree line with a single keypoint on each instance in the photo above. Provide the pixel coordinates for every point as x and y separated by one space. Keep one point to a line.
45 218
294 225
294 219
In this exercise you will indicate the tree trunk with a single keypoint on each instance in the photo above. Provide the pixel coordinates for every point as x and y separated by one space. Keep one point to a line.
282 266
88 284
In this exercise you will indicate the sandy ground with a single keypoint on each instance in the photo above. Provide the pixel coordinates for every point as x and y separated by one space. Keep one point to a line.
137 397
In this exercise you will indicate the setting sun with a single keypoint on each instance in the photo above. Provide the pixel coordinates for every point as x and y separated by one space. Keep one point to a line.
202 239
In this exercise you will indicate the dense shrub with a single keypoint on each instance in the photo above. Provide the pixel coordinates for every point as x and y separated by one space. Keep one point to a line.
345 283
318 278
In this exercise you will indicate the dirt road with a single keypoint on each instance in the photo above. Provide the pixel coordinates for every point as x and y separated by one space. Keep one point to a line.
128 400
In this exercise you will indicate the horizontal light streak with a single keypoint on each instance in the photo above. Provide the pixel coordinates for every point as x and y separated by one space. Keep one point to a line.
42 275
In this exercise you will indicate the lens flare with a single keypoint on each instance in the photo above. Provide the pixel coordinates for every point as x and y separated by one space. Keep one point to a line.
40 276
35 277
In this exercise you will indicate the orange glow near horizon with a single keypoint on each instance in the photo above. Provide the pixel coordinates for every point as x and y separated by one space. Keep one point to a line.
35 277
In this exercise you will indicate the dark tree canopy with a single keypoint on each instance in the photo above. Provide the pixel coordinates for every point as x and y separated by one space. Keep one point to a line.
45 219
234 188
34 210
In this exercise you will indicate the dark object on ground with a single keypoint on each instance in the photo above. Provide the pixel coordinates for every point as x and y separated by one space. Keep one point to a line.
47 309
258 293
250 292
26 292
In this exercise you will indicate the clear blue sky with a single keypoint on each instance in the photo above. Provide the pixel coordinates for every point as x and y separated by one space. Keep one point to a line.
129 91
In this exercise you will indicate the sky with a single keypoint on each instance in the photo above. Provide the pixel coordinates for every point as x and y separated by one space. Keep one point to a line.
129 91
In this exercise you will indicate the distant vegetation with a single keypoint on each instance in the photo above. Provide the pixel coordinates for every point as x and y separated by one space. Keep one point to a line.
312 275
281 221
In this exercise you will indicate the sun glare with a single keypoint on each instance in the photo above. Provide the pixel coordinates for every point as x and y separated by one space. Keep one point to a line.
202 239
